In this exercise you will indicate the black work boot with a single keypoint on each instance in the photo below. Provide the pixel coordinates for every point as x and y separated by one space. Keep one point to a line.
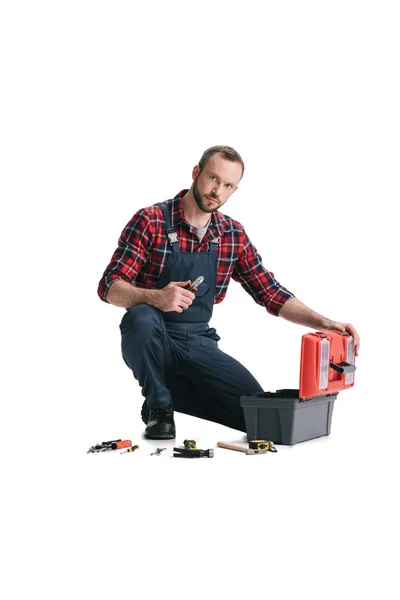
145 412
160 424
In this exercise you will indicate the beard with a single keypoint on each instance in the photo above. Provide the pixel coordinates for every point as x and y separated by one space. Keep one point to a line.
199 199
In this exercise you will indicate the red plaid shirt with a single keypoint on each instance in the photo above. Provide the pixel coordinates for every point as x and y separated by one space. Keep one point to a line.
143 249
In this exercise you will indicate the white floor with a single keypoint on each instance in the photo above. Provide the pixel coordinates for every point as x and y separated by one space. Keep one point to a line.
313 520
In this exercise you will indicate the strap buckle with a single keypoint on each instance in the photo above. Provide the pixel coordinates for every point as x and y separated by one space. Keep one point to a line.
172 236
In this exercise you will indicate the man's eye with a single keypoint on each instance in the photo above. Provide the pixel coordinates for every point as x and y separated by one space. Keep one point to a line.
212 177
228 185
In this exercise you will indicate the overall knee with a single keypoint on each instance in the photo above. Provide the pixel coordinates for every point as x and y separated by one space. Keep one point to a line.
141 321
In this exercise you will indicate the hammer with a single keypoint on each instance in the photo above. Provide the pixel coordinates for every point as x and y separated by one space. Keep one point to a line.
240 449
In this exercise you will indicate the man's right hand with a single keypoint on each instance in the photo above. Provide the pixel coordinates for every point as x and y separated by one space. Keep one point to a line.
173 298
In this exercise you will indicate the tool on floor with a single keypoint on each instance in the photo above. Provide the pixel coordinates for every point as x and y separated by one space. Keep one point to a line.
195 283
197 453
190 444
262 445
157 452
111 445
240 448
191 451
131 449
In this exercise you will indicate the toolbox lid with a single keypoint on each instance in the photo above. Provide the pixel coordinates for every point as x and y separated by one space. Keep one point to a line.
327 363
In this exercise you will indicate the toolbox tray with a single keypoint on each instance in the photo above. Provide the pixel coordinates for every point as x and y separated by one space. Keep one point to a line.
285 418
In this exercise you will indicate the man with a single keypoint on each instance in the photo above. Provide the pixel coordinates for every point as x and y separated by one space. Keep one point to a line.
166 338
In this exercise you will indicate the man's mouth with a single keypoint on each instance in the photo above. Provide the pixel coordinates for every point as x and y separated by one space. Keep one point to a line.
212 199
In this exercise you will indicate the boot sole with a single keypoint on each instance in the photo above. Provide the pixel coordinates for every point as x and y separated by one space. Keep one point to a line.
160 436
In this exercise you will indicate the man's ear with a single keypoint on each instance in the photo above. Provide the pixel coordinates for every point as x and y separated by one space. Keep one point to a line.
195 172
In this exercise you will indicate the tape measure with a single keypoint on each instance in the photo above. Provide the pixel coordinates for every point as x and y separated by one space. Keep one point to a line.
262 445
190 444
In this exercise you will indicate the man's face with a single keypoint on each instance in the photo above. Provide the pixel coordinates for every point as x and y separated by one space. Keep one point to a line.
216 183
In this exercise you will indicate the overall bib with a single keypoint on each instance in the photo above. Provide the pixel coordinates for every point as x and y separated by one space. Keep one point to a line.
175 356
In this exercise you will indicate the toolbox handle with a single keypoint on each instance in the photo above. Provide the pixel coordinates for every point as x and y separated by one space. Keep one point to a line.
343 367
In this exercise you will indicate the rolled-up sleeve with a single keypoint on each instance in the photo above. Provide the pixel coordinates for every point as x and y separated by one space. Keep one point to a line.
131 254
257 281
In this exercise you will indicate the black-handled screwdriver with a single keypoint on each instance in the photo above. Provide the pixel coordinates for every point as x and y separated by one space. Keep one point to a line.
131 449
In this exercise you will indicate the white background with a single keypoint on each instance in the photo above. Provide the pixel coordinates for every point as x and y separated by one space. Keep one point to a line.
105 108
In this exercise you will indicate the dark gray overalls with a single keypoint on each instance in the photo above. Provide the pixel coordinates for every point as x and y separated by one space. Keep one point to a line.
175 356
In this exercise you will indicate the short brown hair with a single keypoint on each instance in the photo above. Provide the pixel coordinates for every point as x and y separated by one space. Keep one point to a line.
226 151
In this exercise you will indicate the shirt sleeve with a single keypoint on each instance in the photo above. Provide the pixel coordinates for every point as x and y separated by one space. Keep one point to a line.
257 281
132 253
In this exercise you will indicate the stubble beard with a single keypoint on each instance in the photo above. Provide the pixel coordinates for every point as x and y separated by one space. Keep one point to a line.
199 200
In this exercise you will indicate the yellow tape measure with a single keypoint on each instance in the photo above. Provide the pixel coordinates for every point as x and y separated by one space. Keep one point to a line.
262 445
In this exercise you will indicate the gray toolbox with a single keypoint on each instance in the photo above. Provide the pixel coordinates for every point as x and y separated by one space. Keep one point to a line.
292 416
284 418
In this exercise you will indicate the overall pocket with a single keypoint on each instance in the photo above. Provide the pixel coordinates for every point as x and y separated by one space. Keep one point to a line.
201 290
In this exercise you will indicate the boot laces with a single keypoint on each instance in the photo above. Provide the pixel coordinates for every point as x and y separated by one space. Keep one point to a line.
160 412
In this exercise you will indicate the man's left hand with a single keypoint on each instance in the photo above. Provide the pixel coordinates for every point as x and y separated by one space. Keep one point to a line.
350 329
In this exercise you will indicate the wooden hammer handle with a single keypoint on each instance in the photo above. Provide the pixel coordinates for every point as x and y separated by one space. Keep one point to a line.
231 447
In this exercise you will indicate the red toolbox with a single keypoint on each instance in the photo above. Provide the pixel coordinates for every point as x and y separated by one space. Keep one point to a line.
327 366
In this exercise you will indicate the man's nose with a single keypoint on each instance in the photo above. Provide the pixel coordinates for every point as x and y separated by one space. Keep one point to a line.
217 189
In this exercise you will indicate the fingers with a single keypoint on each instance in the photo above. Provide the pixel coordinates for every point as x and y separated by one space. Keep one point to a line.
183 303
186 293
355 335
338 327
352 331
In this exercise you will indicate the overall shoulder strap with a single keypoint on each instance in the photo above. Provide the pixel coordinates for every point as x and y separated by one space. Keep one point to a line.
213 245
170 231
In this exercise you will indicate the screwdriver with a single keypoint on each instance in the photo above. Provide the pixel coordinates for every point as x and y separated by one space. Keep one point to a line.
111 445
131 449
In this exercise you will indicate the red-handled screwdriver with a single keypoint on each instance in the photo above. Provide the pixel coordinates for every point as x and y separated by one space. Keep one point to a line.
112 445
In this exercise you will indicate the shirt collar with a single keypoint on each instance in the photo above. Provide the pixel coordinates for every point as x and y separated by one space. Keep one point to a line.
218 219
